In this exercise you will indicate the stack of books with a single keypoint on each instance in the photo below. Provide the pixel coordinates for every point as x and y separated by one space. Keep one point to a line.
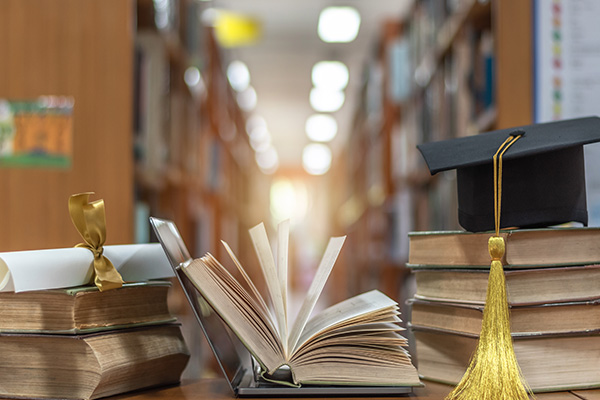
553 287
81 343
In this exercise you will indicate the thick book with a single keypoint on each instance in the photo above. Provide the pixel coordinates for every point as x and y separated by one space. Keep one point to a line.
549 362
355 342
523 286
85 309
542 319
90 366
525 248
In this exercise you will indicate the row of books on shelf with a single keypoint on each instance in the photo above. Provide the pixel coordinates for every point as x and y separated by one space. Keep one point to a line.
553 293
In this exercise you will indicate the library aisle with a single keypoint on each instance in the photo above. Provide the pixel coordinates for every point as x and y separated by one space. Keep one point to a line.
222 114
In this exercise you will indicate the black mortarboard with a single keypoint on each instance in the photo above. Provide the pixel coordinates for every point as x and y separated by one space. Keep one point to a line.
543 174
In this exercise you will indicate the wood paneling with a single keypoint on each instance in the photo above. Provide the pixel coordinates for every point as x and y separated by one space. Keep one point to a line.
514 54
82 49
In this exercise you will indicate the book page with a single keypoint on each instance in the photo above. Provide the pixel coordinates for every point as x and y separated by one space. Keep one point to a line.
258 234
333 250
243 319
253 288
369 303
283 235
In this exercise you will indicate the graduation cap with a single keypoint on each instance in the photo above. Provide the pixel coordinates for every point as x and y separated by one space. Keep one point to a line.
530 176
544 174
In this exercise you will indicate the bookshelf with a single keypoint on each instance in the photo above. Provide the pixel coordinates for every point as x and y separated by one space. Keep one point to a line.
194 164
447 70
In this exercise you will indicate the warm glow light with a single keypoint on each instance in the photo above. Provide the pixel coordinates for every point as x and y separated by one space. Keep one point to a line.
321 127
324 100
267 160
316 158
288 200
238 76
338 24
247 99
332 75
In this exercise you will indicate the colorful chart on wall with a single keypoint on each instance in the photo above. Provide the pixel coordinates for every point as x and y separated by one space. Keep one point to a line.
567 74
36 133
567 59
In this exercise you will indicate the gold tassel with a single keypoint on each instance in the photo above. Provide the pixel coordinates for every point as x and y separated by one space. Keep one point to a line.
494 373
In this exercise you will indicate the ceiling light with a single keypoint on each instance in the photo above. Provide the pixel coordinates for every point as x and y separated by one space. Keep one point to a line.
247 99
193 79
238 76
255 121
260 139
338 24
332 75
321 127
192 76
316 158
324 100
267 160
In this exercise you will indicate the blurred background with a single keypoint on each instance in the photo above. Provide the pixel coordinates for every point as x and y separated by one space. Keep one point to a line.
222 114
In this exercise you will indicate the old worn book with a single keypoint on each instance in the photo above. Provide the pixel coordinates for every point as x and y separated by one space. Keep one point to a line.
548 318
523 286
355 342
90 366
549 362
525 248
85 309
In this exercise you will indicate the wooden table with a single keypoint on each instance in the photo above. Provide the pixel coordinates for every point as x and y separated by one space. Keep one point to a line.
217 389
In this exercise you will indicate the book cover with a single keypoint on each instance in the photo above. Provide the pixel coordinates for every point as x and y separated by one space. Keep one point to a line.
525 248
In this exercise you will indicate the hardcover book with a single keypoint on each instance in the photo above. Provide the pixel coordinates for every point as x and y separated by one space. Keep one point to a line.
549 362
523 286
525 248
85 309
90 366
355 342
540 319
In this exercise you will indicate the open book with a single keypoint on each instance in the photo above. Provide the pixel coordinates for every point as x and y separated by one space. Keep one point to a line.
355 342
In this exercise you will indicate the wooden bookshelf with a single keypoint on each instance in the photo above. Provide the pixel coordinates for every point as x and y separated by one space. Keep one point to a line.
193 162
470 72
198 169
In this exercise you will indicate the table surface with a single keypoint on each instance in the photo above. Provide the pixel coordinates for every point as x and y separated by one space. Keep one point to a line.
217 389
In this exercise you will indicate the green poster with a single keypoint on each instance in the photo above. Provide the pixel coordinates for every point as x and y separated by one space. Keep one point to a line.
36 133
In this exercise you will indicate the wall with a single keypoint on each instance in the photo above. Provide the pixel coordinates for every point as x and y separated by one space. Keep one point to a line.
82 49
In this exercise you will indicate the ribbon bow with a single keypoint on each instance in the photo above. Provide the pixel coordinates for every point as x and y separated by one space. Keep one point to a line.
90 221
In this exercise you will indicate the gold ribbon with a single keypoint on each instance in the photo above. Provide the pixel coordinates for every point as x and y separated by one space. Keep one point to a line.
494 373
90 221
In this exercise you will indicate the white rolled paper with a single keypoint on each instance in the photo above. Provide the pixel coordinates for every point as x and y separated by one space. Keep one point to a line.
62 268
